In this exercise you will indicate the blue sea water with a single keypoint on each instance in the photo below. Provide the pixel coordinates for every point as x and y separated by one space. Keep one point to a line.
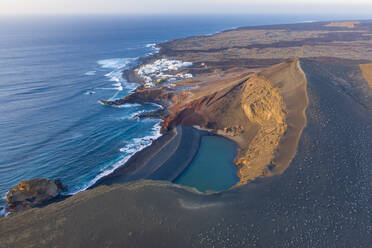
53 72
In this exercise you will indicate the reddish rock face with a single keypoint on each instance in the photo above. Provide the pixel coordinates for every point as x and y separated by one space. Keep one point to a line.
30 193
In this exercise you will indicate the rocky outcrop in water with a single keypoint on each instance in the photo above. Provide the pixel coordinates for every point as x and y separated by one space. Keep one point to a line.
31 193
161 96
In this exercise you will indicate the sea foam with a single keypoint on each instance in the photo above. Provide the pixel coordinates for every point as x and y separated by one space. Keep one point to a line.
138 144
90 73
90 92
153 47
128 105
134 146
118 65
3 212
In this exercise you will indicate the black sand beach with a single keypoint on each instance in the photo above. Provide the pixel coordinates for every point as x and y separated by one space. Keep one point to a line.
165 159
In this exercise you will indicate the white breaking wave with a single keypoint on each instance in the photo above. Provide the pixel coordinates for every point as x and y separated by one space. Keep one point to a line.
117 64
106 88
136 145
135 114
89 92
90 73
157 105
128 105
153 47
116 76
3 212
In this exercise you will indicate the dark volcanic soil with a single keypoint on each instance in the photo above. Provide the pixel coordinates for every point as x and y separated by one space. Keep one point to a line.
322 200
165 159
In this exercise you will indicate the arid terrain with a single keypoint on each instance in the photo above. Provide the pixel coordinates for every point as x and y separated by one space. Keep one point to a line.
257 96
297 99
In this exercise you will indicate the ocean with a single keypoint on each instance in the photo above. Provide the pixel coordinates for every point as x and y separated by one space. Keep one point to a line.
53 72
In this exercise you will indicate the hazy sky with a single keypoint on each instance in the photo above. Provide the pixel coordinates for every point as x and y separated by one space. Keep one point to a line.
183 6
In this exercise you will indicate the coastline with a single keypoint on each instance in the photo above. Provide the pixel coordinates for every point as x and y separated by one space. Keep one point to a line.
321 200
293 96
165 159
183 102
127 167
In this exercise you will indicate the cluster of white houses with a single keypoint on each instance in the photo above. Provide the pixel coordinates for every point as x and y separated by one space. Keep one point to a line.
160 71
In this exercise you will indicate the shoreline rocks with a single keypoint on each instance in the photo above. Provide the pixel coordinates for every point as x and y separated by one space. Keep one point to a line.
161 96
31 193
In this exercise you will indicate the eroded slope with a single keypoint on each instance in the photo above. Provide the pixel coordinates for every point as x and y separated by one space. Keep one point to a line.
254 112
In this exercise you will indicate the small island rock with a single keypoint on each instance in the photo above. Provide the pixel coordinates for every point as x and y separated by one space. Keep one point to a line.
30 193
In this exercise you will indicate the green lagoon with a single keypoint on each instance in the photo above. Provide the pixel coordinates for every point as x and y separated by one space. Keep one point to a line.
213 167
